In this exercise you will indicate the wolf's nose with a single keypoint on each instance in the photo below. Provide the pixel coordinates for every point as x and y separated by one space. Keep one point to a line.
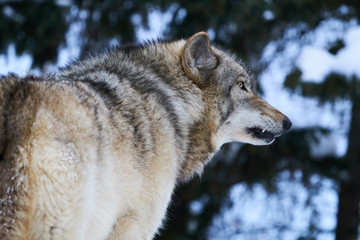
287 123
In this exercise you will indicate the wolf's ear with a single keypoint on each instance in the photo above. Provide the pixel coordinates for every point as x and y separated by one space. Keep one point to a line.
197 57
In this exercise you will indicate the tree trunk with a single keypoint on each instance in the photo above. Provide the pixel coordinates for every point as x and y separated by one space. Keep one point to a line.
348 212
349 195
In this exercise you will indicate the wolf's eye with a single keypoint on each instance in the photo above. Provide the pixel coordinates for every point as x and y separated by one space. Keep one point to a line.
242 86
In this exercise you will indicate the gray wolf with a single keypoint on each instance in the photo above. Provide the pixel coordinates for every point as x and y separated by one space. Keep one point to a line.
95 150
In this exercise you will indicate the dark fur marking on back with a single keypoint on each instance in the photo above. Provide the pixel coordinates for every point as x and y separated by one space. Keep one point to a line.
107 93
112 100
138 81
127 48
147 87
99 131
9 95
139 138
163 99
2 149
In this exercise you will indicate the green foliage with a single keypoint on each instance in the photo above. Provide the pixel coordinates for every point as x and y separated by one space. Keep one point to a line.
334 87
336 46
307 238
293 79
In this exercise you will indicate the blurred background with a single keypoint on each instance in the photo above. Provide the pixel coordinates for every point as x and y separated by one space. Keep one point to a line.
306 57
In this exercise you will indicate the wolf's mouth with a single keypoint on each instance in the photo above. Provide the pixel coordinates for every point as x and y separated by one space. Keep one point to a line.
262 133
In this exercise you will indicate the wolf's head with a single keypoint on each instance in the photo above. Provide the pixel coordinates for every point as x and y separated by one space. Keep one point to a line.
231 94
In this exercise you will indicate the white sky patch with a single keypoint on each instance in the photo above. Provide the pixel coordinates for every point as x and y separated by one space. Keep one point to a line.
316 62
268 15
348 59
72 49
325 146
11 63
158 21
65 3
211 33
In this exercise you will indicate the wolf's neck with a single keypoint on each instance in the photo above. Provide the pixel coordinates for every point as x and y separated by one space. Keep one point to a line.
196 123
200 147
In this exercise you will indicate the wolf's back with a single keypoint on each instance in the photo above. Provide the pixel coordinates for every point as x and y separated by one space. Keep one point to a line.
5 83
36 123
7 87
54 132
2 133
8 199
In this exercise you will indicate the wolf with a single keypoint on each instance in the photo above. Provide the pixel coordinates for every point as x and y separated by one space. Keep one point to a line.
95 150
